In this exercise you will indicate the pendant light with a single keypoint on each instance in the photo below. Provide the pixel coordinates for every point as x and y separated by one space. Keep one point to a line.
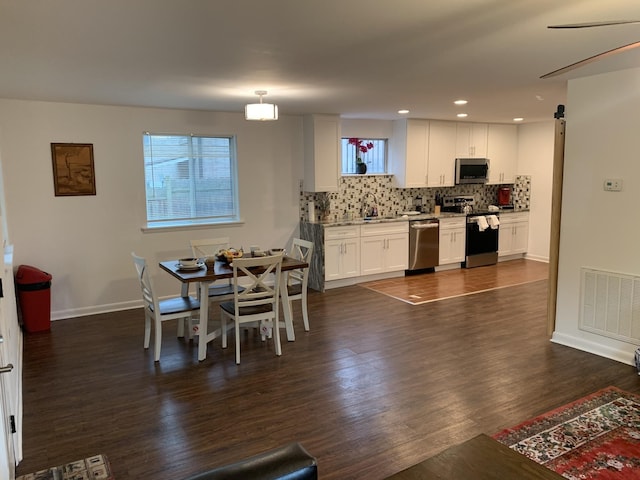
261 111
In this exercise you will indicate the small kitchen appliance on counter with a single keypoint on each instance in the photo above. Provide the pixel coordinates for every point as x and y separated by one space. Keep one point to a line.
504 197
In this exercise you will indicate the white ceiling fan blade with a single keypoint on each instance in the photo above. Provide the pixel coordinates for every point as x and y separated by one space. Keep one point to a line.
594 24
586 61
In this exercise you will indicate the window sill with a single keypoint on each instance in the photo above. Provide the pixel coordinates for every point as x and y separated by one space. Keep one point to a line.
188 226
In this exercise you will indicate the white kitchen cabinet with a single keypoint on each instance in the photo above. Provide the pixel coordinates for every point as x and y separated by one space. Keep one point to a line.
384 247
341 252
408 153
442 154
452 240
513 236
471 140
321 153
502 151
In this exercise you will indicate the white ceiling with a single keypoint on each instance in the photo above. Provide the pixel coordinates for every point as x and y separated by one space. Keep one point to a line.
357 58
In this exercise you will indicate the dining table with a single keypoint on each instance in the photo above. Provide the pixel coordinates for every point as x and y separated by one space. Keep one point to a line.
205 276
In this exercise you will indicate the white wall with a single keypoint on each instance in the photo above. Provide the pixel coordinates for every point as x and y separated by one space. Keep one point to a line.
535 158
599 229
85 241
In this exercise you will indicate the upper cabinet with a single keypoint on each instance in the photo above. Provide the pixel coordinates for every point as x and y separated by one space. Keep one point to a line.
471 140
442 152
321 153
502 151
408 153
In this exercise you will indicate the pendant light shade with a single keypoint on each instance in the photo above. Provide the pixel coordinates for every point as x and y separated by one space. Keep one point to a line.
261 111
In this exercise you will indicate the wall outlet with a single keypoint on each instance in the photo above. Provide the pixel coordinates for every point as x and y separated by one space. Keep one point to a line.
613 185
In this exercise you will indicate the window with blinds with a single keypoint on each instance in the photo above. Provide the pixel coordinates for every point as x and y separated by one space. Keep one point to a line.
190 179
375 157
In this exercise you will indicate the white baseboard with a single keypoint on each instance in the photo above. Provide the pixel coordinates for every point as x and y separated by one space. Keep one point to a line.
345 282
94 310
619 355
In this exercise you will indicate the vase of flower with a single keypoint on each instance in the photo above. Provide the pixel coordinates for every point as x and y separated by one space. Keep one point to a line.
361 146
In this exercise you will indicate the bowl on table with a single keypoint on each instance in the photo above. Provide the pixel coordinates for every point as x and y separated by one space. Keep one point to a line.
276 251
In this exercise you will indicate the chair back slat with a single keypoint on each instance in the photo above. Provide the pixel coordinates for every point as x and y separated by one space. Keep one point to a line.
146 284
301 250
209 246
263 277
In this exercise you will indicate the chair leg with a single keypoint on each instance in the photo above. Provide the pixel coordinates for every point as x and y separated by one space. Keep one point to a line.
223 325
147 330
237 342
305 314
158 339
276 334
181 322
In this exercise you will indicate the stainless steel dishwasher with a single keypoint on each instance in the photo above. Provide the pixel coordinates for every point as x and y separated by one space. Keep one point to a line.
423 244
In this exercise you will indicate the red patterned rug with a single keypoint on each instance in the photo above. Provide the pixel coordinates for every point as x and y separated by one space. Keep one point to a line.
596 437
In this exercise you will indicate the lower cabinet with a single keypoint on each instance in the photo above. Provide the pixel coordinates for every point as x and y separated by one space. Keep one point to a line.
452 240
384 247
513 237
342 252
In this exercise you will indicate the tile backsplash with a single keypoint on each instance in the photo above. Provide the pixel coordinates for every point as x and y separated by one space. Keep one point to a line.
348 201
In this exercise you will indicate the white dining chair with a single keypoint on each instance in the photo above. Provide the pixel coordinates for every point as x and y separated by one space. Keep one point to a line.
209 247
181 308
257 305
297 280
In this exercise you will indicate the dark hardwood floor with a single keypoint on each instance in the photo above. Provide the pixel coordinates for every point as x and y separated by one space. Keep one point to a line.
376 386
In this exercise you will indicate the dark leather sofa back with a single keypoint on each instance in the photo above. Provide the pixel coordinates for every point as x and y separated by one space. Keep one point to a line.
290 462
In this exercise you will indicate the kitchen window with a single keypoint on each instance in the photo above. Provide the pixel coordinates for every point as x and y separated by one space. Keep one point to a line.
375 157
190 180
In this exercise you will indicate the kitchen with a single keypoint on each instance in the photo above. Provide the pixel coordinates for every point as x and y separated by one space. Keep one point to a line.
350 254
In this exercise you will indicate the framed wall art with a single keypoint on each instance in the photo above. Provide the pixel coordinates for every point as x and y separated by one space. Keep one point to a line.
73 171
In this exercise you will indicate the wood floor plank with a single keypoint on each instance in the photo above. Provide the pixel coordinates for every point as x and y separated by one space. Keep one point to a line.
375 386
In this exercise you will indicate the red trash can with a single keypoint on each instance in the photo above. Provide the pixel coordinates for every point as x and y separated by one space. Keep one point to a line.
34 298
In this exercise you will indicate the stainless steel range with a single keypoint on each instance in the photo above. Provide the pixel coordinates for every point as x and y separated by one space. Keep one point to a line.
458 203
481 247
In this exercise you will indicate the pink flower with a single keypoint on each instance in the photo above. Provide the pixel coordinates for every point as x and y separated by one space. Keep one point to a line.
360 145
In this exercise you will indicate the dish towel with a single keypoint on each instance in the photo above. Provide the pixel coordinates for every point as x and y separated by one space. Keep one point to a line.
493 221
482 223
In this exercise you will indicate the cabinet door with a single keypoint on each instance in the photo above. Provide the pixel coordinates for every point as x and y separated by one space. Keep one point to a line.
520 237
502 151
458 245
471 140
321 153
397 252
451 246
372 255
505 239
333 259
417 151
351 258
442 154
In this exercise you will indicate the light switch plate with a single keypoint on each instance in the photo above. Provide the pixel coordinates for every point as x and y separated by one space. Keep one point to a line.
613 184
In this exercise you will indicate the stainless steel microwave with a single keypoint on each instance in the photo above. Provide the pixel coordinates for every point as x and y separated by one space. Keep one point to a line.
471 170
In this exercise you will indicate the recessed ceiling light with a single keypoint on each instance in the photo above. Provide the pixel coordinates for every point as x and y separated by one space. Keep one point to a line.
461 115
404 111
460 102
518 119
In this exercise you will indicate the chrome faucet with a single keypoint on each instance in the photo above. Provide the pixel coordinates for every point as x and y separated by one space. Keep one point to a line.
369 210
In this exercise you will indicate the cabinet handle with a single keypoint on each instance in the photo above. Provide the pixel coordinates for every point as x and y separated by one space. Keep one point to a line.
6 369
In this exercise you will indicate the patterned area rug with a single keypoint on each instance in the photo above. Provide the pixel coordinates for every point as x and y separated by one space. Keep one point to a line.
596 437
96 468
